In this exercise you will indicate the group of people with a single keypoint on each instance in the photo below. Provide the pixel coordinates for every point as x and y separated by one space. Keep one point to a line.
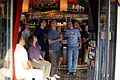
30 51
32 57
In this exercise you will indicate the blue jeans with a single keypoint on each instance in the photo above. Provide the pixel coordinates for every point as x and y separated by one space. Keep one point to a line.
72 58
103 56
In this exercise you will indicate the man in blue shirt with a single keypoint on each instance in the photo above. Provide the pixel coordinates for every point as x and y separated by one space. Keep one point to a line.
54 48
72 35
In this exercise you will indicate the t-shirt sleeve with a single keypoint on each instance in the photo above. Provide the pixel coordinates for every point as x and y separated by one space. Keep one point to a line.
50 35
31 53
66 34
78 33
24 55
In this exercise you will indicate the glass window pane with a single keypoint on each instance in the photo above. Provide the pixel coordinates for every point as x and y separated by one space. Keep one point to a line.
5 40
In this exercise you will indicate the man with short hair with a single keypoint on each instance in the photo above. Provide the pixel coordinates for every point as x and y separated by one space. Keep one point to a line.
72 35
54 48
23 68
41 36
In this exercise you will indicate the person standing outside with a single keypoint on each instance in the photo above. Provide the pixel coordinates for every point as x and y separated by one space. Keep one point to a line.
54 48
6 71
42 37
72 35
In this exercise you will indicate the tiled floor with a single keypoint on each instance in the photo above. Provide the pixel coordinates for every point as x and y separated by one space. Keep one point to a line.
83 73
80 75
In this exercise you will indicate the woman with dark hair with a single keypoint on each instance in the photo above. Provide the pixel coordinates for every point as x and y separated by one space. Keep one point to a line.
36 58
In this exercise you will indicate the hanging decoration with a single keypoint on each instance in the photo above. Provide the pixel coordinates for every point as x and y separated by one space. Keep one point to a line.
3 10
56 1
63 5
72 1
25 6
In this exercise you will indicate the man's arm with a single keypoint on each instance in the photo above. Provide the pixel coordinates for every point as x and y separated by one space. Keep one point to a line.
66 35
27 65
30 64
80 42
79 37
25 61
51 40
56 40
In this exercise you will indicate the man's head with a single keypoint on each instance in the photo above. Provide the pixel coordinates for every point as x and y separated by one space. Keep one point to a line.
32 39
43 24
21 39
54 24
27 26
86 27
70 25
76 25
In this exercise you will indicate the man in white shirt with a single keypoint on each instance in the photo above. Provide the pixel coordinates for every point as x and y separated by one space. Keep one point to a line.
23 68
6 71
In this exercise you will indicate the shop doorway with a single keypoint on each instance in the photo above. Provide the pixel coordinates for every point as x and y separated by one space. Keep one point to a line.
102 26
101 18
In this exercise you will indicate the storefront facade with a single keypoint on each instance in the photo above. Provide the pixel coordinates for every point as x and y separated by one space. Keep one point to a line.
107 49
107 26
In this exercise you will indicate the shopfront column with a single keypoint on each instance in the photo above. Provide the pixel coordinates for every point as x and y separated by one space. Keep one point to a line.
117 60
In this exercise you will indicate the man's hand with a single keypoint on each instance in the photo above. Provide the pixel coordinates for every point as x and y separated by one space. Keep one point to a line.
80 43
56 40
30 65
61 38
80 46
